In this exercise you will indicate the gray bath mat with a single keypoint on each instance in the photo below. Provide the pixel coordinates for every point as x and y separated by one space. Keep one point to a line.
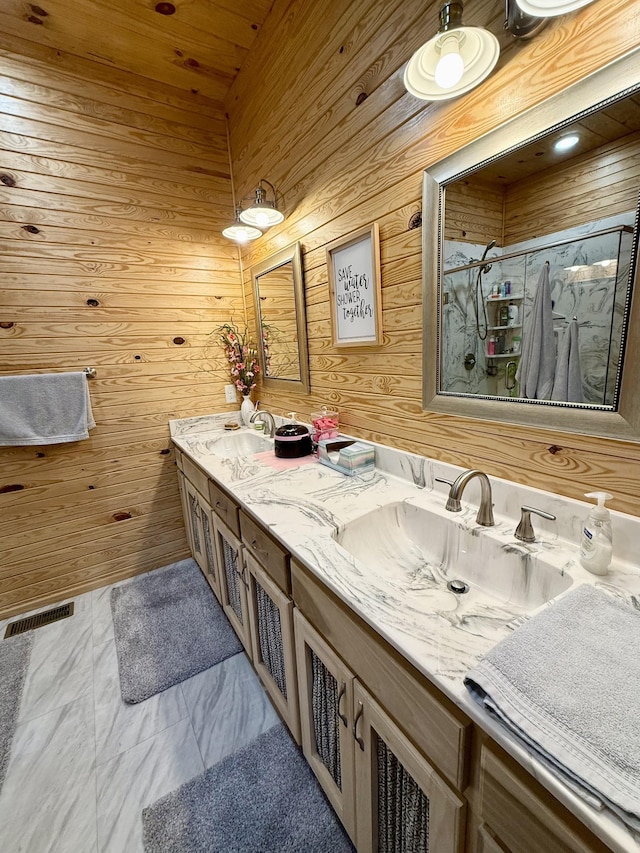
264 798
168 626
15 653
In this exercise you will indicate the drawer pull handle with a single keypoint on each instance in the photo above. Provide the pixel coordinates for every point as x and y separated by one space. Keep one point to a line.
220 505
256 547
343 690
359 740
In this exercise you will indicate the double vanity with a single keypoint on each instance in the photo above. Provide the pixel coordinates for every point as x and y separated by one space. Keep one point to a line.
363 602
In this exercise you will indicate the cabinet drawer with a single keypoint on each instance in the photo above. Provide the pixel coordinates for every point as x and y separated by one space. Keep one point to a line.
225 507
524 816
269 553
433 723
195 475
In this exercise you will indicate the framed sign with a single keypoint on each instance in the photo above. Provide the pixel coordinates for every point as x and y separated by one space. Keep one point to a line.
353 265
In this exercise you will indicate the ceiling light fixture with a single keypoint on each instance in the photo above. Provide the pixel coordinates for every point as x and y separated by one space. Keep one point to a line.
263 212
551 8
566 142
454 61
240 232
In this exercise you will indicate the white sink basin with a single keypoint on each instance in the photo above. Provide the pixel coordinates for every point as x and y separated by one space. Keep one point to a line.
234 444
409 543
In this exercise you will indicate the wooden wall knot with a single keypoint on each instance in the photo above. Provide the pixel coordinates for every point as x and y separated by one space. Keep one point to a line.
8 180
362 97
178 341
415 221
554 449
92 303
34 20
165 451
13 487
165 8
31 229
121 516
6 325
38 10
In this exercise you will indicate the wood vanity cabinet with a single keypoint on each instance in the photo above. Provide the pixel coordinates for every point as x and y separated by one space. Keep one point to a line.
386 791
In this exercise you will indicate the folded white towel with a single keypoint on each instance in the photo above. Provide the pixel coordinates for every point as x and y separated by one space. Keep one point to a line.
538 360
567 385
46 408
567 683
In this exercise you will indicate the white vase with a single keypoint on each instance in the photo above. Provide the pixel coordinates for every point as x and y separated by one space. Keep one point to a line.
246 409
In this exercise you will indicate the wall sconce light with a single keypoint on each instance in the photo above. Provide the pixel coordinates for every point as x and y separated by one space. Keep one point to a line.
240 232
454 61
550 8
263 212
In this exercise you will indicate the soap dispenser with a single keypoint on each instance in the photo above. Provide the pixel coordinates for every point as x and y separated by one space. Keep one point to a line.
596 546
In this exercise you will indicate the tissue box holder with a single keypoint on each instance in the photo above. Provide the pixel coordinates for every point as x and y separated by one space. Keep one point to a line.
347 456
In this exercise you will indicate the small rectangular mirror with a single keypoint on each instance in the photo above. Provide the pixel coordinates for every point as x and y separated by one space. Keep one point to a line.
281 320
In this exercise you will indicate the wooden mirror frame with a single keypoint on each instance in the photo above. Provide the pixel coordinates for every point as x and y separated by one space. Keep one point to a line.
290 254
582 98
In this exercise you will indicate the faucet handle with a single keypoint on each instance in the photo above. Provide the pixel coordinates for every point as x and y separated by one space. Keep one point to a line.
442 480
524 531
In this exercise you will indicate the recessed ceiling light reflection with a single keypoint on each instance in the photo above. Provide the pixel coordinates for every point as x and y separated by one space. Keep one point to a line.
566 143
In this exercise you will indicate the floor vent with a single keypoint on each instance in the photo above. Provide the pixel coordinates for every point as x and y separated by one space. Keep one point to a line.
40 619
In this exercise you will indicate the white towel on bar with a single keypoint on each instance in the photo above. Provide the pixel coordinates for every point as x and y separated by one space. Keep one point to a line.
567 385
567 683
537 366
45 408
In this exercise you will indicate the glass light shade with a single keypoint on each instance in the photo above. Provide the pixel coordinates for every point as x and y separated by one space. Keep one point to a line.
479 50
241 233
262 215
450 67
550 8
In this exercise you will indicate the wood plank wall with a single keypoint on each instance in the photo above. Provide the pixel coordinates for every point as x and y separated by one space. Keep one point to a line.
320 110
115 192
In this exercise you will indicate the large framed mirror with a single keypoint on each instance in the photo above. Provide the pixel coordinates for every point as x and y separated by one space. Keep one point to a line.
281 319
529 265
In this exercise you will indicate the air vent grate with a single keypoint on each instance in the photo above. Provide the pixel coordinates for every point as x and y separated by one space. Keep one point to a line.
38 620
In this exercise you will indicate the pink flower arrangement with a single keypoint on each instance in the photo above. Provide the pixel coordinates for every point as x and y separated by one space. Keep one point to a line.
242 355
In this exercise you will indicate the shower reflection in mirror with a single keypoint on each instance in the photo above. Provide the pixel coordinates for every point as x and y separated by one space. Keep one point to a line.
492 323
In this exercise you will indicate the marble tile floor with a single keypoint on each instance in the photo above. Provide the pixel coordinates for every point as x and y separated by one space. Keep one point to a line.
83 764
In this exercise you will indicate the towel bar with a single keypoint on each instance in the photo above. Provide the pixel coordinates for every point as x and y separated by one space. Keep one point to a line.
91 372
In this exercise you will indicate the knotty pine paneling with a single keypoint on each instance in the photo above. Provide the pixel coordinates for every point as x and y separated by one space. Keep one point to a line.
114 195
320 109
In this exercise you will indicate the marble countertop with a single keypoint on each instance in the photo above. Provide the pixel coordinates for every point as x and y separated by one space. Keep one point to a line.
305 505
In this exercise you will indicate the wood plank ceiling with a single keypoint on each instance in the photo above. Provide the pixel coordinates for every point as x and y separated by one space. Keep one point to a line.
195 45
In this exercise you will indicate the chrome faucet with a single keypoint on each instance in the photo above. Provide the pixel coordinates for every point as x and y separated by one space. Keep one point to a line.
485 511
267 420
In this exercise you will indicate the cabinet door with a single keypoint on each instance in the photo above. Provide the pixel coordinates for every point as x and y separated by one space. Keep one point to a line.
233 582
209 548
326 701
182 488
195 525
402 804
271 618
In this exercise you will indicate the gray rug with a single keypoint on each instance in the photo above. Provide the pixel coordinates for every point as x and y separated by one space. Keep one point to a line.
264 798
15 653
168 627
